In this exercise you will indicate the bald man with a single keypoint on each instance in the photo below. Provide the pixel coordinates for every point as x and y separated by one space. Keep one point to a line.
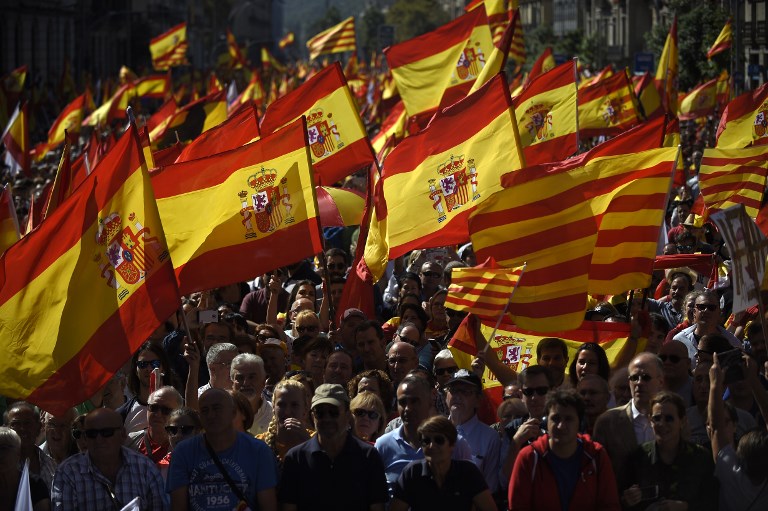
108 476
401 359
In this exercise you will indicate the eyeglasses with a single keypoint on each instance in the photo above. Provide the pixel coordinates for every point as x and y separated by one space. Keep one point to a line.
371 414
433 440
667 418
154 408
446 370
530 391
685 248
701 307
104 432
672 358
637 377
143 364
333 413
185 430
311 328
430 274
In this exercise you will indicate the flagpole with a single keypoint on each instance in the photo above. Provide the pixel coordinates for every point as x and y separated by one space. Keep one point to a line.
504 312
576 84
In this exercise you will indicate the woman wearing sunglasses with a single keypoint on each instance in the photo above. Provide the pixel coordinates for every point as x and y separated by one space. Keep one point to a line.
182 424
670 472
368 416
439 482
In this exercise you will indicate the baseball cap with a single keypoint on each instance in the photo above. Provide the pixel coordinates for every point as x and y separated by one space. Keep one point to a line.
330 393
273 343
462 375
351 313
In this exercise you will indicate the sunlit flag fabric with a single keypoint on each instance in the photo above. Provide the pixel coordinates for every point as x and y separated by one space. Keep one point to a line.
85 289
11 86
287 40
338 141
424 66
339 207
169 49
191 120
393 126
723 41
254 210
546 116
607 107
337 39
745 120
16 141
162 114
236 131
153 86
63 184
734 176
587 225
70 120
238 60
253 92
543 64
482 291
434 179
497 59
268 61
667 71
648 95
699 102
9 222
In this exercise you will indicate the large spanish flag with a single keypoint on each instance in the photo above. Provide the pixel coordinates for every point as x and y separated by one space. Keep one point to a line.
191 120
423 67
16 141
81 292
254 208
734 176
607 107
699 102
745 120
667 71
337 39
337 138
587 225
9 222
169 49
546 116
723 41
238 130
433 180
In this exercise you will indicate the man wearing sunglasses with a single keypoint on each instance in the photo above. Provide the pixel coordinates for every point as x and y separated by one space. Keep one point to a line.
318 472
153 442
620 430
431 276
108 476
706 320
677 367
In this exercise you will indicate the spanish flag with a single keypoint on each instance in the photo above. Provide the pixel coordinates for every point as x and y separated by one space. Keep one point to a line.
728 177
497 59
434 179
268 61
517 49
745 120
723 92
63 184
587 225
191 120
16 141
700 102
81 292
723 41
393 126
545 62
498 16
648 95
546 116
169 49
287 40
238 60
240 129
425 66
338 141
152 86
254 92
255 210
667 72
162 114
482 290
9 222
69 119
11 86
337 39
607 106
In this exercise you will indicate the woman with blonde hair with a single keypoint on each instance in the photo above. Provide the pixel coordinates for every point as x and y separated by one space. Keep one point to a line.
290 424
368 416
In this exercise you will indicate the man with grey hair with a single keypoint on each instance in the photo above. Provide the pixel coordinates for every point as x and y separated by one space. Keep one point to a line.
153 442
219 361
249 377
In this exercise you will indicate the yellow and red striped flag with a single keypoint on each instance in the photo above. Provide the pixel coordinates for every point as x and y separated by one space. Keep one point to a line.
723 41
699 102
392 127
497 60
16 141
483 290
260 210
162 114
588 225
268 61
517 49
337 138
238 60
86 288
745 120
9 222
545 62
607 106
424 67
254 93
169 49
287 40
63 183
11 86
723 92
434 179
648 95
191 120
498 16
337 39
546 116
667 72
240 129
70 120
734 176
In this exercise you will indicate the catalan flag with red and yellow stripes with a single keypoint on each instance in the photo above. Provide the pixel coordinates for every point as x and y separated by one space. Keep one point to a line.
9 222
734 176
169 49
745 120
337 39
16 141
255 210
667 71
517 48
699 102
607 107
84 290
482 290
723 41
546 116
338 141
587 225
240 129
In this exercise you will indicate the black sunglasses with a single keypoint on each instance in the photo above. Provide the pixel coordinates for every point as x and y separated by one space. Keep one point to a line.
446 370
431 274
637 377
701 307
372 414
104 432
185 430
143 364
667 418
337 266
436 440
333 413
530 391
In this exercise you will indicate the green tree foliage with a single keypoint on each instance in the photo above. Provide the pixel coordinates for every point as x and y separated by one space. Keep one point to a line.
698 25
412 18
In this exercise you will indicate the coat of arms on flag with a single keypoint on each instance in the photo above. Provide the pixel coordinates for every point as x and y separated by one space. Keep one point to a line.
323 134
761 121
266 201
451 187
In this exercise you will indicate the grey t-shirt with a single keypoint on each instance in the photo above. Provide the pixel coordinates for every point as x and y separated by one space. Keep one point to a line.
737 493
